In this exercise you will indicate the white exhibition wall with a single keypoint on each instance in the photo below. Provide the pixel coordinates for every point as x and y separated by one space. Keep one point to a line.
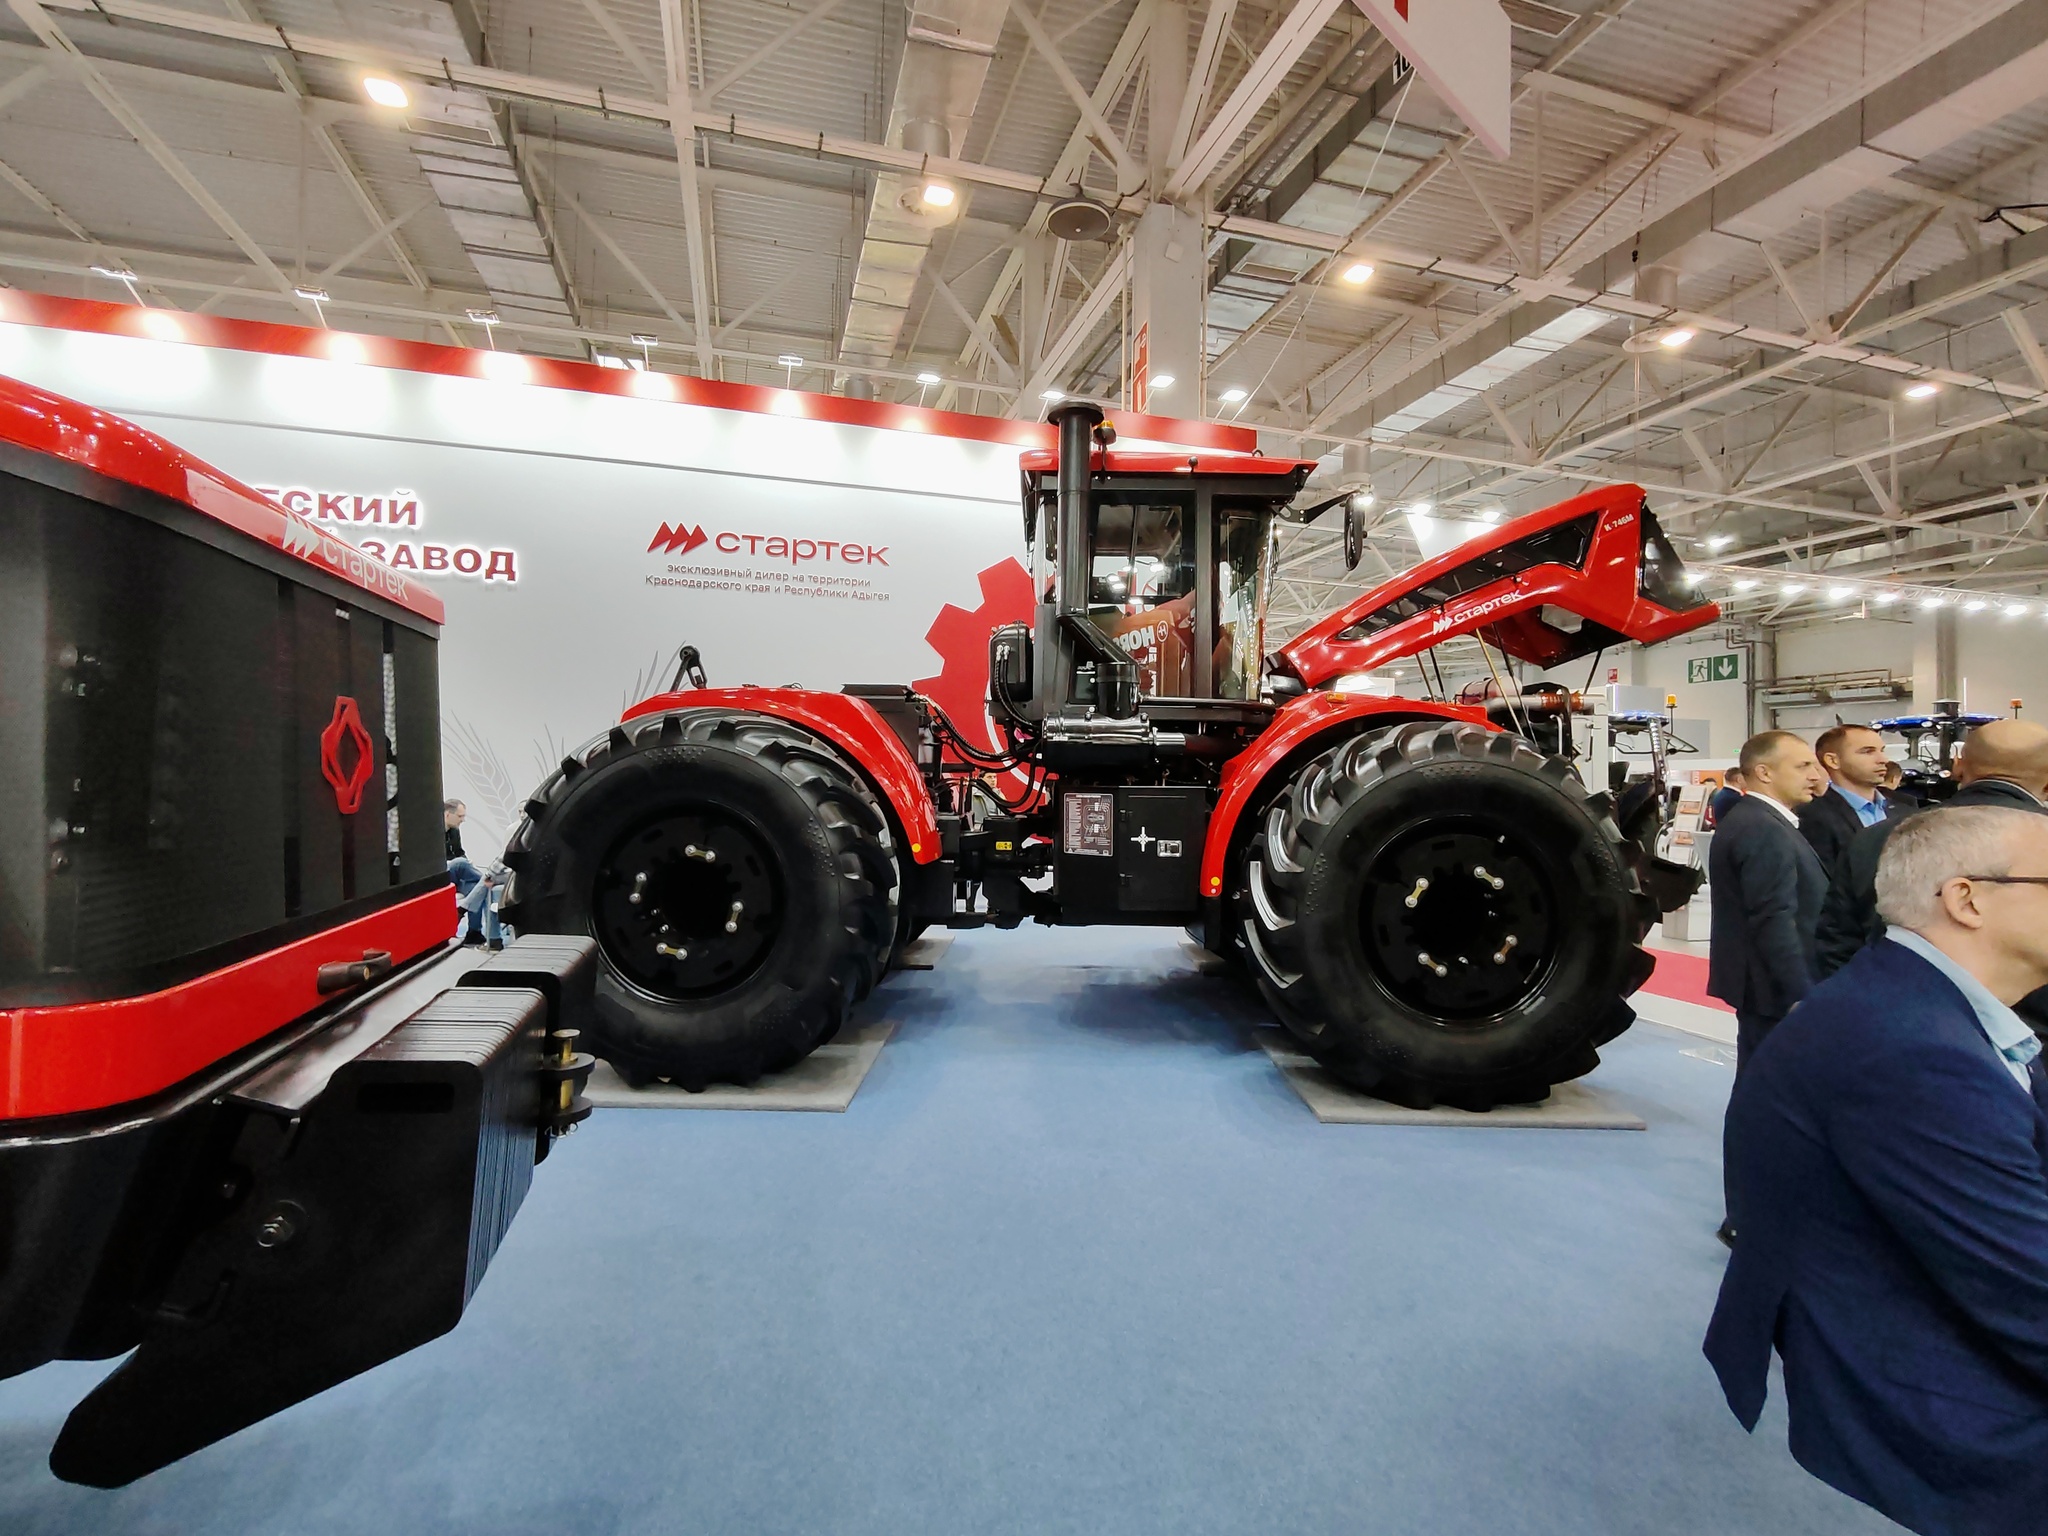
787 550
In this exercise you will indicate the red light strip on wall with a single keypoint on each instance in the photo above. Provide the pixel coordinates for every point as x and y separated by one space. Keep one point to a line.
104 319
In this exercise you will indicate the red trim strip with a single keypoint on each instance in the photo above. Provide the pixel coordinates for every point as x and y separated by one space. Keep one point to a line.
59 1061
1297 722
105 319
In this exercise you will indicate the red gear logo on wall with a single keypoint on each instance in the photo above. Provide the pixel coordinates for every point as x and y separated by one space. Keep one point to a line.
960 636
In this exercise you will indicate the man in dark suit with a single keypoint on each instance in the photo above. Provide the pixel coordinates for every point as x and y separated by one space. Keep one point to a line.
1888 1159
2002 762
1729 792
1853 758
1766 886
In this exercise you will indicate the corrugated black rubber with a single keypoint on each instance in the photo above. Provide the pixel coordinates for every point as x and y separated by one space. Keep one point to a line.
834 864
1306 926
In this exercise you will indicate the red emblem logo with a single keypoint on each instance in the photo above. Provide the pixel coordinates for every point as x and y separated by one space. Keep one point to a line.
346 726
679 540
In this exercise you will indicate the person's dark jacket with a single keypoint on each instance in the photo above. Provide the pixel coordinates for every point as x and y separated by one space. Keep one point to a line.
1848 917
1889 1182
1766 886
454 841
1828 822
1719 801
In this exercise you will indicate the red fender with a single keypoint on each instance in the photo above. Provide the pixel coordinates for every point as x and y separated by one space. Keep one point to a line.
848 723
1299 723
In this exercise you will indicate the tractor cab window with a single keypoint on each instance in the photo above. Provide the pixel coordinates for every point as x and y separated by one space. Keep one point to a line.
1240 598
1141 586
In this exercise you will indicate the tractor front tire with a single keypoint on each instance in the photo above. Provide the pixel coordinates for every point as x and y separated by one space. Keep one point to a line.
739 877
1442 914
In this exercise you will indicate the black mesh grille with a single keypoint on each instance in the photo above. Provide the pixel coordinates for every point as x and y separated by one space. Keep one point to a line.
161 705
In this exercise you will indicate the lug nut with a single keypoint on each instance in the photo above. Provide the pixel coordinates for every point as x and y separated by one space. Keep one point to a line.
1500 956
1479 871
639 885
673 954
692 851
732 923
1423 960
1421 885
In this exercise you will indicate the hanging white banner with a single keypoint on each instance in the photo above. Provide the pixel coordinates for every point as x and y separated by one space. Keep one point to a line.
1461 47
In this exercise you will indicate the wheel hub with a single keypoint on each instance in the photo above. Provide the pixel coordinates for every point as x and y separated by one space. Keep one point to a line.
1458 919
688 904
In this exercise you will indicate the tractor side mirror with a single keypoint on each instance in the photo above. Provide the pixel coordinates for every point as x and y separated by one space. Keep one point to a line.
1354 534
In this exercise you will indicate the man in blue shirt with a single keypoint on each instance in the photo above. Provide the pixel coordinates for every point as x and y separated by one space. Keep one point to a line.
1887 1154
1853 757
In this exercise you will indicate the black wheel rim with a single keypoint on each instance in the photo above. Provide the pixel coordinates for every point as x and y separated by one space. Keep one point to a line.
688 903
1460 919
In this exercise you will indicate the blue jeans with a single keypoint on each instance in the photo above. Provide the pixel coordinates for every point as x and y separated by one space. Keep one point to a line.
468 878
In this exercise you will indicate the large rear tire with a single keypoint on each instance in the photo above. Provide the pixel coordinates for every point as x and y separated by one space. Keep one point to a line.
740 880
1442 914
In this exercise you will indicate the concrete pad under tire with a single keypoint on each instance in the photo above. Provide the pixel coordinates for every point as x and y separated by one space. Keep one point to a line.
1574 1106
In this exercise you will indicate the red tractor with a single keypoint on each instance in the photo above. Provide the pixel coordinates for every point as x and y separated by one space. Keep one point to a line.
259 1123
1435 906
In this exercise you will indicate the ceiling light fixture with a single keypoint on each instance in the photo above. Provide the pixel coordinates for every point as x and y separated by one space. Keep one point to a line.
1921 390
312 295
1234 396
928 379
1791 589
1163 381
1747 586
1932 601
386 92
1052 396
938 195
1975 605
1674 338
1840 594
118 274
1885 599
2014 610
1490 514
1720 541
1358 272
1420 509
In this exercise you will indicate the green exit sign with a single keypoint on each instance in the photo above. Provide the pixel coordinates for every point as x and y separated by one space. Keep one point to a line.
1714 669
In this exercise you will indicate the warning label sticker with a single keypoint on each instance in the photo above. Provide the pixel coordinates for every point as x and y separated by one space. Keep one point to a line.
1090 825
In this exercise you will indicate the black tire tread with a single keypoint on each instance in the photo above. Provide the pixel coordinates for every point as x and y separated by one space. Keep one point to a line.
856 826
1294 826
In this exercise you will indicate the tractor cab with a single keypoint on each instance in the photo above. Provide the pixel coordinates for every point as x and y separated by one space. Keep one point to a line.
1150 571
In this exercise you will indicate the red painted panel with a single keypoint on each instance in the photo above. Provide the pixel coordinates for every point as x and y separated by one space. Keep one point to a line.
850 724
470 362
1046 461
1605 592
109 445
59 1061
1297 723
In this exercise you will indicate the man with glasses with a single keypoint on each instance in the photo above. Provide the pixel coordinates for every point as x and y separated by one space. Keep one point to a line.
1887 1152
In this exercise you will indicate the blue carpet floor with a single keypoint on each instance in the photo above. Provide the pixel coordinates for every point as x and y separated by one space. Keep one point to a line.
1077 1260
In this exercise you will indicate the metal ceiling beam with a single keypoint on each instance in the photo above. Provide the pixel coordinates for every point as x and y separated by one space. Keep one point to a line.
40 22
514 86
1296 34
1116 77
1104 137
293 83
1090 314
629 50
674 48
767 50
604 238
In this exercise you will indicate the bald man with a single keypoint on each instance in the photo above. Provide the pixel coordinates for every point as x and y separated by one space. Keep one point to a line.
2002 763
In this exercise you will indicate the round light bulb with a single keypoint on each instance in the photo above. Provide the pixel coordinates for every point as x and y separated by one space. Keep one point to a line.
386 92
